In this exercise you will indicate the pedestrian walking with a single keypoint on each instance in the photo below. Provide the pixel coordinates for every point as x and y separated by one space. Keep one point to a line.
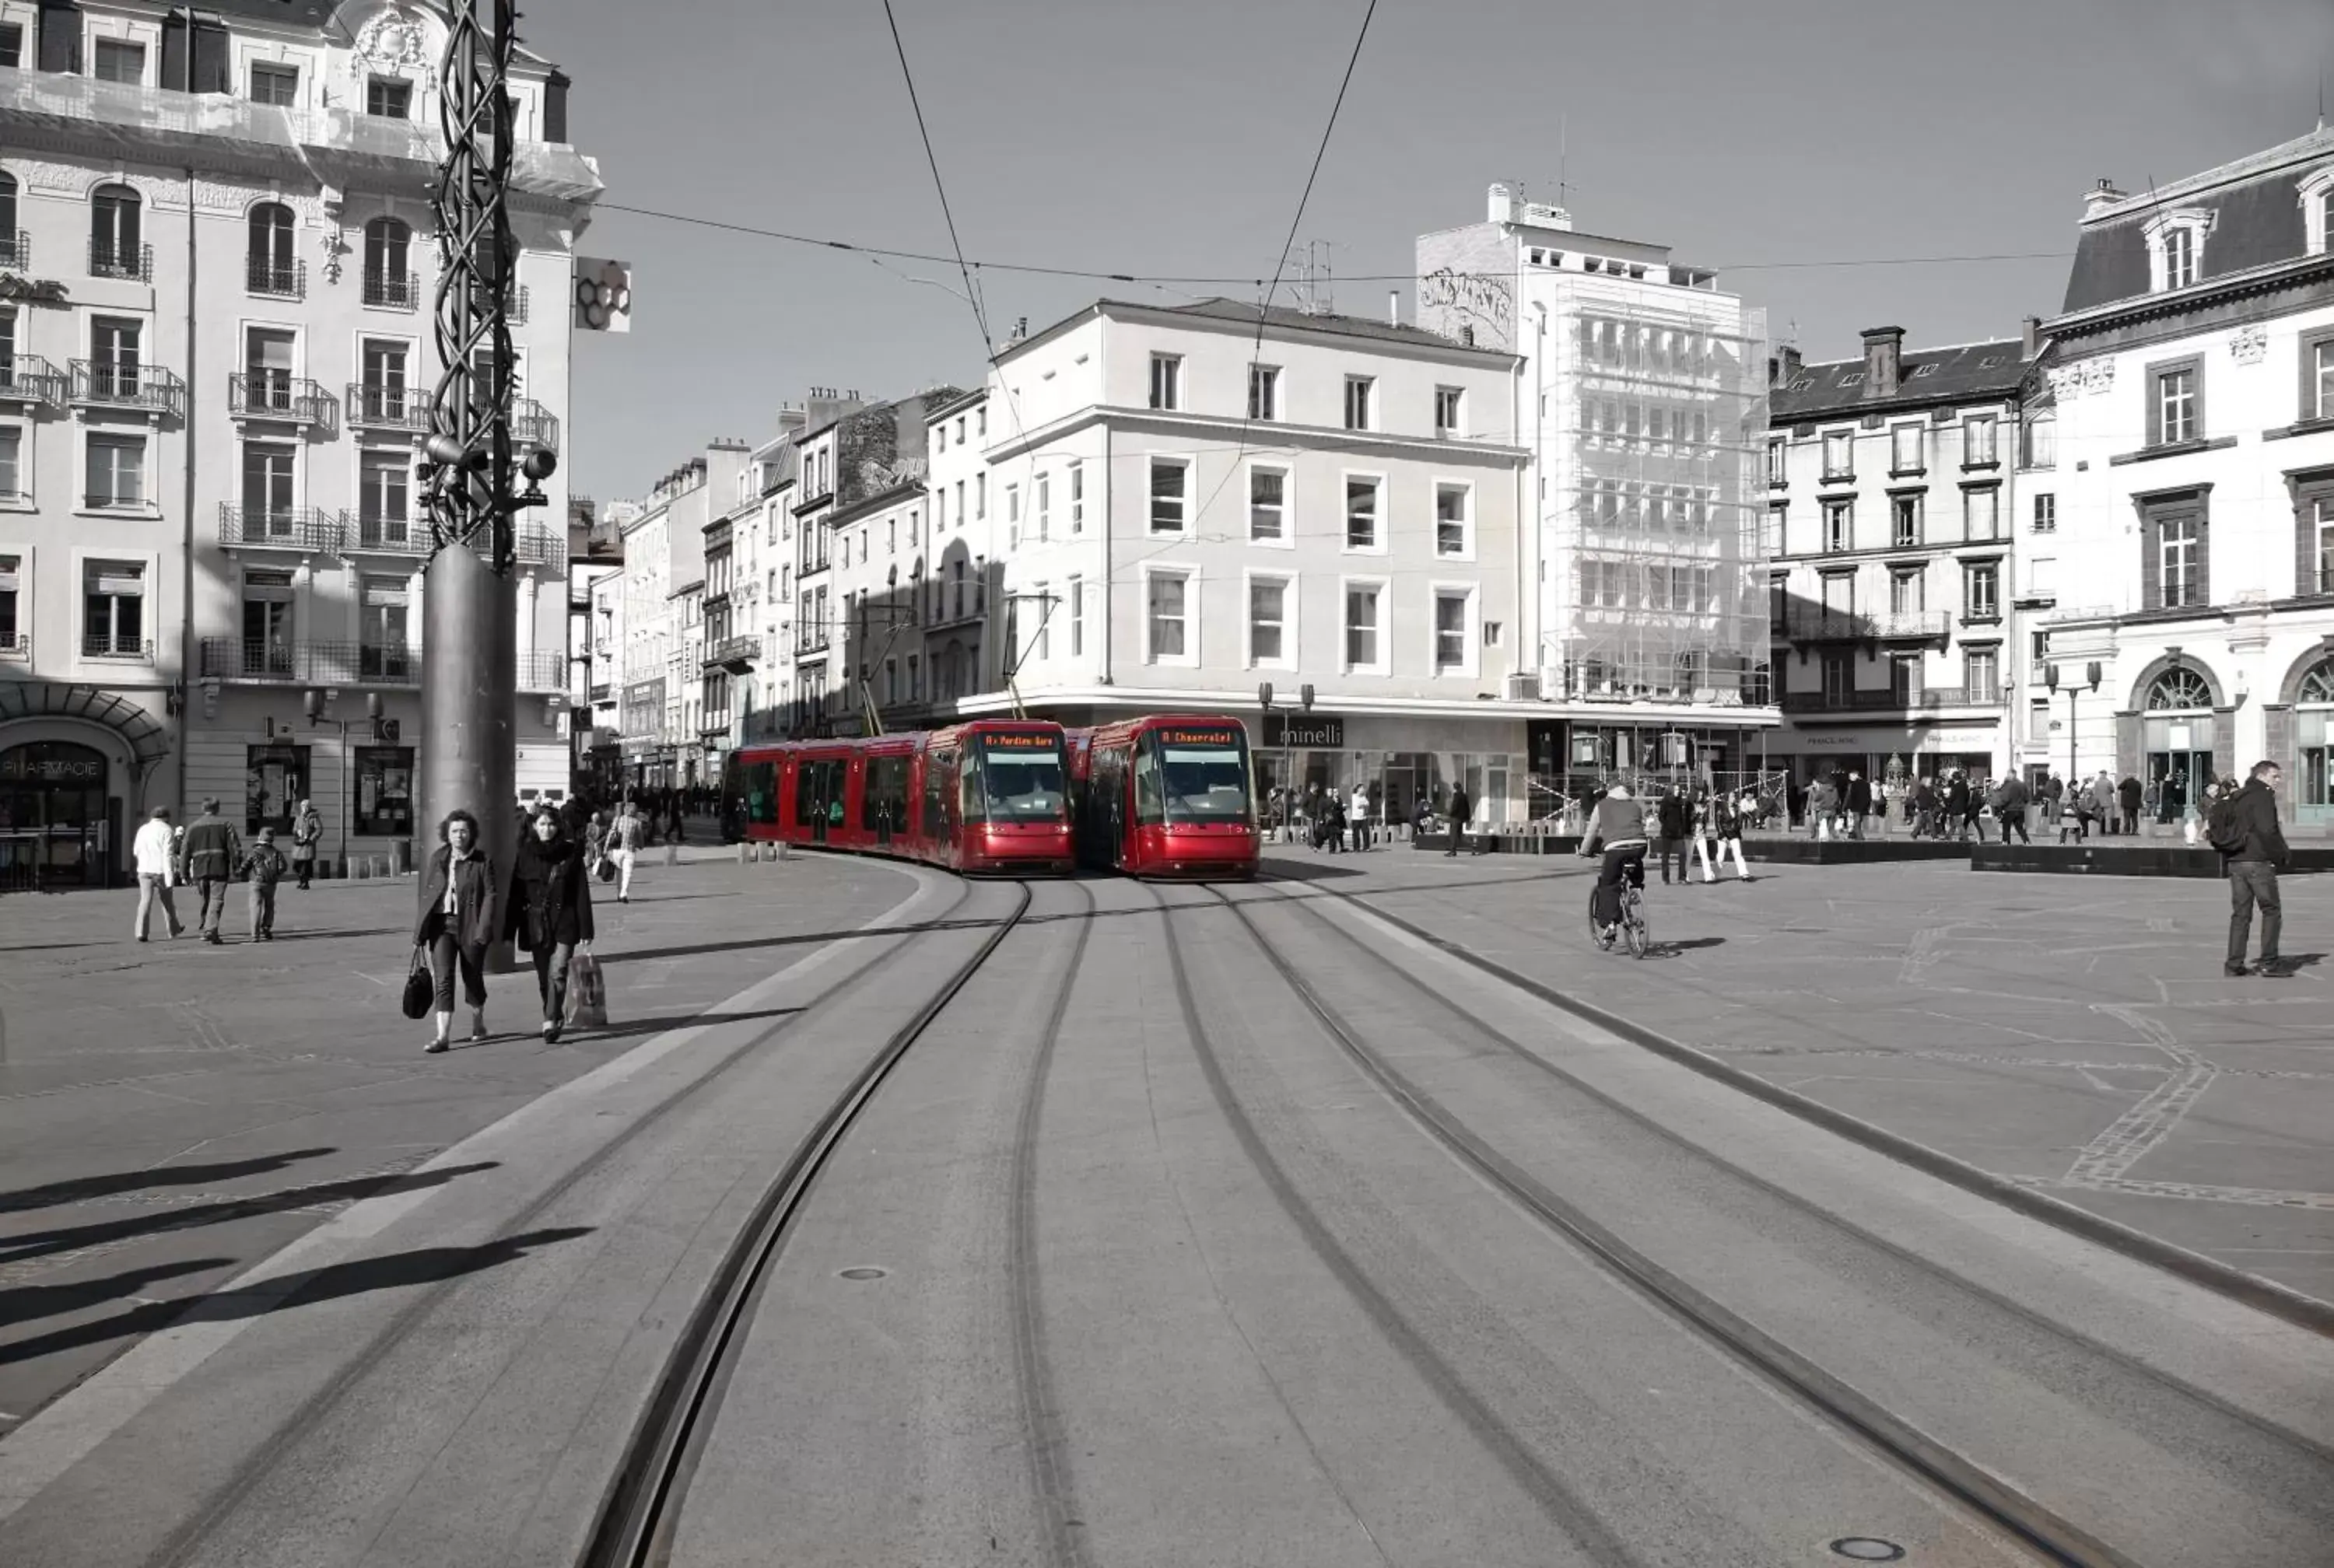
1461 808
2009 800
307 831
2129 796
1359 816
263 868
595 844
2245 830
1858 803
2053 804
1924 808
549 901
625 836
456 923
155 852
1727 815
1671 819
209 855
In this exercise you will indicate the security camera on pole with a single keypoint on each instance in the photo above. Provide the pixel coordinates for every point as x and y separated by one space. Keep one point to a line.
468 748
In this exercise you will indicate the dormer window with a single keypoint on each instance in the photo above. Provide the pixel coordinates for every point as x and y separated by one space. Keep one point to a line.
2317 197
2175 248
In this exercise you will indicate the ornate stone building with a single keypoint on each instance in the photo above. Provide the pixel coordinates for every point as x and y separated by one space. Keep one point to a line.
217 278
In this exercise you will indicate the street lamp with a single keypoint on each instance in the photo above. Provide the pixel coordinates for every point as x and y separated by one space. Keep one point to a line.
2074 697
1288 782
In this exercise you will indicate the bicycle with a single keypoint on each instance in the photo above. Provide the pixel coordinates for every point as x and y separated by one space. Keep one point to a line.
1634 931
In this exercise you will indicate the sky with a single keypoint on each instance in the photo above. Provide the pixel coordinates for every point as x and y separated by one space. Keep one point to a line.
1805 148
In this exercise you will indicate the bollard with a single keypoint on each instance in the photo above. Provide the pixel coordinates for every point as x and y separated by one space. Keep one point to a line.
671 853
786 849
745 850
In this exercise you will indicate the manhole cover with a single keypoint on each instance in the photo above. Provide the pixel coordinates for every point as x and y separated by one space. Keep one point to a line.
863 1272
1866 1549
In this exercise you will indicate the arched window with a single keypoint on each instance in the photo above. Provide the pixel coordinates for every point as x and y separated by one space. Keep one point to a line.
116 249
2179 691
387 276
11 244
2318 685
272 268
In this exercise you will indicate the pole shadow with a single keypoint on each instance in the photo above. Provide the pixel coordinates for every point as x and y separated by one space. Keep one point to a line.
423 1265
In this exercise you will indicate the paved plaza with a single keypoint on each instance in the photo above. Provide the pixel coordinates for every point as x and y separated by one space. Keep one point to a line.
172 1113
2072 1033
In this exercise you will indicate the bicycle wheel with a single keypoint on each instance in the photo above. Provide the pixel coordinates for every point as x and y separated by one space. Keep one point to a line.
1595 931
1632 925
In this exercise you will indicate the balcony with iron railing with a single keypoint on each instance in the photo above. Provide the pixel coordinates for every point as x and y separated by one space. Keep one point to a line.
515 308
309 530
542 671
112 384
16 250
734 654
366 534
109 260
289 661
128 649
278 280
271 395
1908 625
393 291
1815 623
388 407
31 379
532 424
1885 699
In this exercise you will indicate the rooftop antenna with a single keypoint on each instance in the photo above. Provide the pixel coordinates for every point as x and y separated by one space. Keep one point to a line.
1563 160
1312 283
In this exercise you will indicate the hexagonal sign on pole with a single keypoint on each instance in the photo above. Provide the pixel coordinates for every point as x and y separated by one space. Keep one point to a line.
603 295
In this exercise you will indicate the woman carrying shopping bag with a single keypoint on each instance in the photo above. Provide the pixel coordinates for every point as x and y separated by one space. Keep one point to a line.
550 905
457 922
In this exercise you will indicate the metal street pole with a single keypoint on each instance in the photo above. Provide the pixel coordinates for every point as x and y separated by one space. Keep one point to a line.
469 615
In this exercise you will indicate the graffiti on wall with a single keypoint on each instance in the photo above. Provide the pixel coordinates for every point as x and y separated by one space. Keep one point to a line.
1470 296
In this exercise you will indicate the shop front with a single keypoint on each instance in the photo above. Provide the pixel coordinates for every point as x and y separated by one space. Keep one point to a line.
1907 752
1581 759
1399 759
60 826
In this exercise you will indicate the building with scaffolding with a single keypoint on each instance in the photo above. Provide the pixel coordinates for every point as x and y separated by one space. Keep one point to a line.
1644 635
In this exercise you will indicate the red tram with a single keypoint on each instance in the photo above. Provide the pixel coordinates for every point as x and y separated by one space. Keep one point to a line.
986 798
1166 796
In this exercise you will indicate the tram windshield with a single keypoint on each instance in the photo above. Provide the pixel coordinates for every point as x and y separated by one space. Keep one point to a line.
1192 774
1015 778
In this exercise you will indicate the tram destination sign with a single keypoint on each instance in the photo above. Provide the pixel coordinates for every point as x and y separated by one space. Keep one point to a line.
1009 740
1199 735
1304 731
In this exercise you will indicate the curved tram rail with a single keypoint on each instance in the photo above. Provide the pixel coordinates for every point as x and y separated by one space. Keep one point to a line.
636 1523
1965 1480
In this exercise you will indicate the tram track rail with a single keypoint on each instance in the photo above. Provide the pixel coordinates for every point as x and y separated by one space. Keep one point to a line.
1896 1439
2266 1295
188 1536
642 1511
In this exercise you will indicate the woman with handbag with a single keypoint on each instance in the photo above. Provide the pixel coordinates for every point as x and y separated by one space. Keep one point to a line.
550 910
457 922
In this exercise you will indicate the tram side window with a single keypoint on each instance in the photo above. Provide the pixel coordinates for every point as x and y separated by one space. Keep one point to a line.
884 793
971 785
1149 804
762 793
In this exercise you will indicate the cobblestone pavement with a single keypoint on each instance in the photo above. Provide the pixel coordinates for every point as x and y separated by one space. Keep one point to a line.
2069 1033
171 1112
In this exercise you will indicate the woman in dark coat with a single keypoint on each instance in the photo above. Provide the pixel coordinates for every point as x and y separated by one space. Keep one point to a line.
457 921
549 907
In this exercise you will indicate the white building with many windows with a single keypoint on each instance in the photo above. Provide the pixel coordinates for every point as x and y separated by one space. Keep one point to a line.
2193 369
1180 507
216 268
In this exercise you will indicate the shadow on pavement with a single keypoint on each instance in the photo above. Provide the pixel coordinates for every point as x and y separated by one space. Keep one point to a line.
39 1244
424 1266
678 1021
26 1302
82 1188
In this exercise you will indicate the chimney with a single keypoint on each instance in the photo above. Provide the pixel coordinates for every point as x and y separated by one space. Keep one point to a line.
1884 360
1502 205
1394 307
1790 366
2029 339
2104 194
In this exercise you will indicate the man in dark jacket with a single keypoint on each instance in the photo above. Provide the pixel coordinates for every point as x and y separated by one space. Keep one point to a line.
1461 808
2129 793
1674 824
212 851
1957 805
1858 803
2253 866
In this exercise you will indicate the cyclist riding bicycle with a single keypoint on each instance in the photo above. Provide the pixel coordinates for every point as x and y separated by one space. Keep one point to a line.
1618 827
